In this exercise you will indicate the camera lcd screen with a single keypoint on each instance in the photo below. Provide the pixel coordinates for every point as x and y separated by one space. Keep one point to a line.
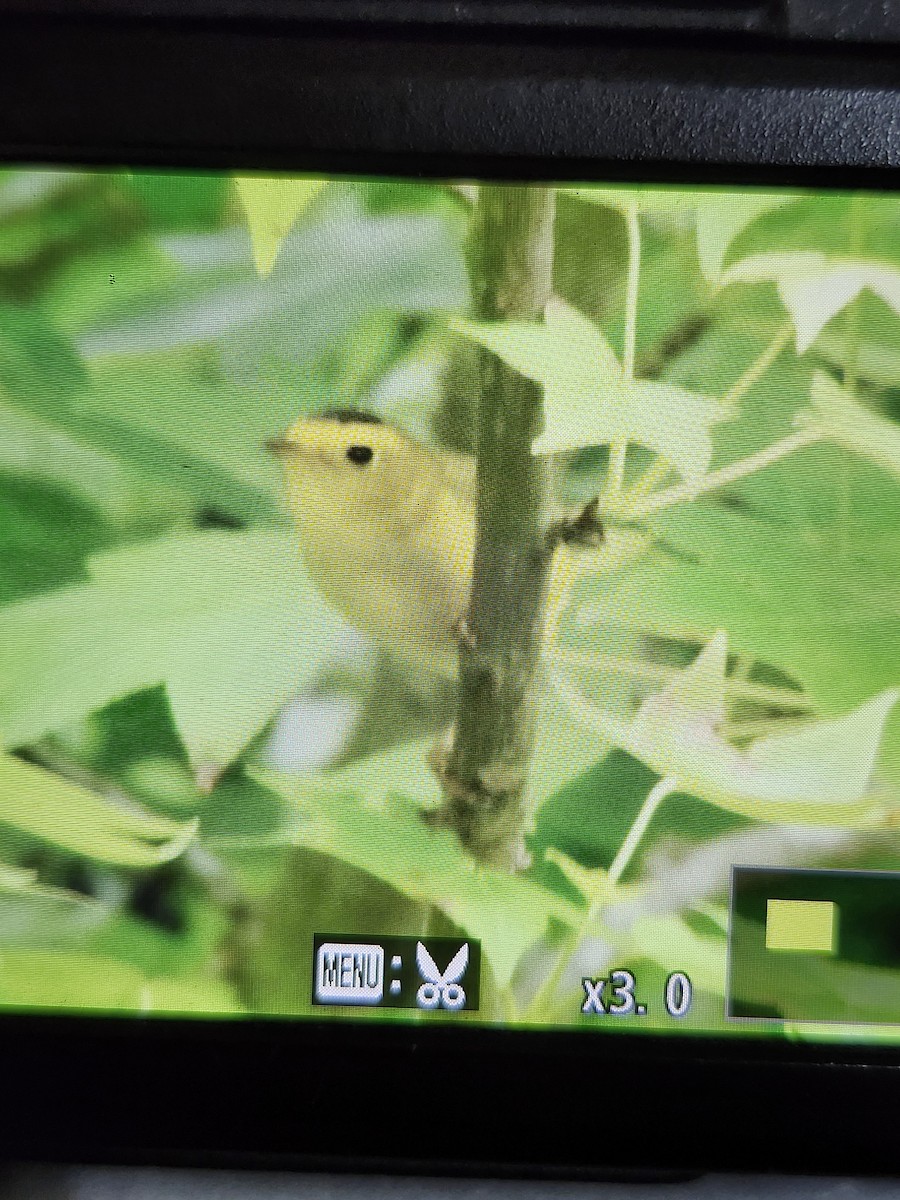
430 601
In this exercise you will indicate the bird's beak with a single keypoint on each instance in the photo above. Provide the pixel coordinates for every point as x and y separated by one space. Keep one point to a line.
279 446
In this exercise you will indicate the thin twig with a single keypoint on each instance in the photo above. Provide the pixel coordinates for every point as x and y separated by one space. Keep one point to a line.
725 475
758 367
632 284
618 452
656 795
660 468
546 993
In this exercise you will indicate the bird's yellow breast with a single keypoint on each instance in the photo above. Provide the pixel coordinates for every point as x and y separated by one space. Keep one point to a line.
391 544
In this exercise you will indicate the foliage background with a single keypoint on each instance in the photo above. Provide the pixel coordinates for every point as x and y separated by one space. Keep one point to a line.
180 710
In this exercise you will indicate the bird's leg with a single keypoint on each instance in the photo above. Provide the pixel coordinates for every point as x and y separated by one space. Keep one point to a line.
584 529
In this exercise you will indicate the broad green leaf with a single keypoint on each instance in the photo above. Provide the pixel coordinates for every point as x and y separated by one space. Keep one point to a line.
563 749
41 979
189 432
33 448
177 200
814 287
865 224
818 775
832 760
723 216
272 205
227 621
590 817
181 952
566 343
801 579
187 387
670 420
113 282
587 402
842 419
51 979
34 553
697 692
44 805
365 817
669 940
33 914
38 363
329 276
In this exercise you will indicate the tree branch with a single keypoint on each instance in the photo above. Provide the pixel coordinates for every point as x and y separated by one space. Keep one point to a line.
485 769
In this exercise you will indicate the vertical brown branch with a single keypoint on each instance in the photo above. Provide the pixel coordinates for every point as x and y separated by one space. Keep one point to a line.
485 770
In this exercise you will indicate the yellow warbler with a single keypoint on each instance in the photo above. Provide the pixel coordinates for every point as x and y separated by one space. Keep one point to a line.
387 530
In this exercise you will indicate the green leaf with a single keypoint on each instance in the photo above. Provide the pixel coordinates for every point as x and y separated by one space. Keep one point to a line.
50 979
587 402
110 283
34 556
177 200
697 693
44 805
38 362
272 205
566 343
364 817
32 448
866 224
330 274
615 786
668 939
32 914
722 217
188 432
814 287
41 979
819 775
187 387
663 417
227 621
190 945
799 568
842 419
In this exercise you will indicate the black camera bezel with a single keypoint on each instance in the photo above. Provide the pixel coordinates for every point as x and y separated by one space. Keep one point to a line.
355 1095
456 104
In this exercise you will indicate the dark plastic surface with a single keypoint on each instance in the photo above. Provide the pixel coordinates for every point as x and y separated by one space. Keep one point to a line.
452 104
827 20
356 1096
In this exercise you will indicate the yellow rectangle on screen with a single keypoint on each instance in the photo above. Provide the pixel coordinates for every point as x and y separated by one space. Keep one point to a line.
804 926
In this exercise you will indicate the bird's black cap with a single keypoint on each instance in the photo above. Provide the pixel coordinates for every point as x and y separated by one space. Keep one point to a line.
348 416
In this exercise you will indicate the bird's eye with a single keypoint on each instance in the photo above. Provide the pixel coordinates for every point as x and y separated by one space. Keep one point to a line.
359 455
